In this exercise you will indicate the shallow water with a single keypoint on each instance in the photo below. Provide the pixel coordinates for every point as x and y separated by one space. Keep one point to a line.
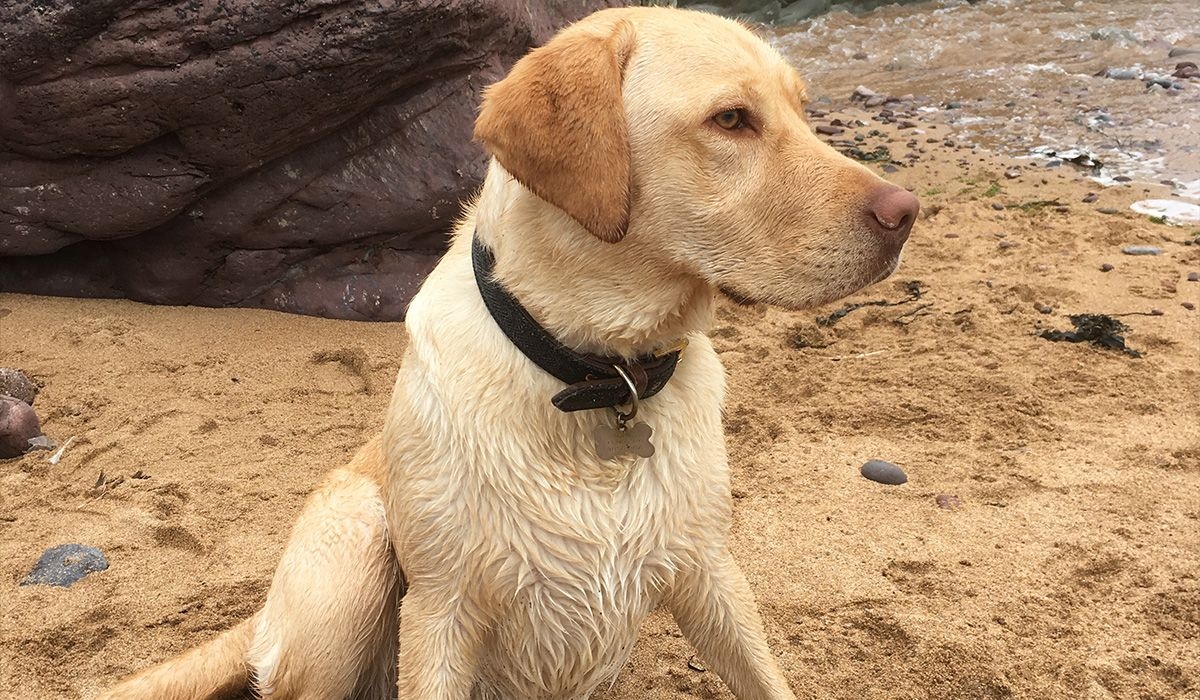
1022 75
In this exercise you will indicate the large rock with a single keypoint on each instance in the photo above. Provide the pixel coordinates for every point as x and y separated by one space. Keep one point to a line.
301 155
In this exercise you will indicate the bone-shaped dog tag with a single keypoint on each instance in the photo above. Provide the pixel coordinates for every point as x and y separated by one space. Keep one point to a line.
618 442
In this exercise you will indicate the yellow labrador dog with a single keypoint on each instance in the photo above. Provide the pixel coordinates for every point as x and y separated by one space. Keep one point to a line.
552 466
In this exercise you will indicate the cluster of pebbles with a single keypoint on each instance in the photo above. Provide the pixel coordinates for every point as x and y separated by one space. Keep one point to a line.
901 112
20 432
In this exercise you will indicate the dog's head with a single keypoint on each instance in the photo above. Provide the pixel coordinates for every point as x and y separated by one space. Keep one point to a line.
685 129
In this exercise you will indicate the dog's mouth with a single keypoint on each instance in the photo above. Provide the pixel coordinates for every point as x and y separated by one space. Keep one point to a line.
886 269
881 270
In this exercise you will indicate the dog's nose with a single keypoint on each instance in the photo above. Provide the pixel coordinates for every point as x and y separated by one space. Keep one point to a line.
891 213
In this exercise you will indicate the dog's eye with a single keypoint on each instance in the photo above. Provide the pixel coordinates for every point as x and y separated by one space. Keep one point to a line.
730 119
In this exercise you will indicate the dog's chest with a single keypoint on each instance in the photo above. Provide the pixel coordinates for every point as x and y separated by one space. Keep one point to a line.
577 590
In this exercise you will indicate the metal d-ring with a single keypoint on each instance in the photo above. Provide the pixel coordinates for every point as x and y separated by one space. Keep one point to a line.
623 418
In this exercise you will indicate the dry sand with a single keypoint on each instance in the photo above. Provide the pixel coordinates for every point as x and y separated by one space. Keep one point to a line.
1069 569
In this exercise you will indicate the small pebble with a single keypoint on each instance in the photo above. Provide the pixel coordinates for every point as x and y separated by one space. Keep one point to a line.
1012 173
948 501
18 424
1005 245
41 442
1106 210
862 92
1106 268
1141 250
997 206
1042 308
15 383
1193 277
829 130
65 564
1090 197
883 472
1188 305
1120 73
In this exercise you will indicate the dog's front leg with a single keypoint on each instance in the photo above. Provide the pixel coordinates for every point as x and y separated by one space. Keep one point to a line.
714 607
441 632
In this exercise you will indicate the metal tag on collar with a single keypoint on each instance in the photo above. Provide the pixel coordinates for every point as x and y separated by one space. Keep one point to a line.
625 439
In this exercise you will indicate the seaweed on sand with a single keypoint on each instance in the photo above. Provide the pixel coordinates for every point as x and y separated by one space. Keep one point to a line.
881 154
913 289
1097 329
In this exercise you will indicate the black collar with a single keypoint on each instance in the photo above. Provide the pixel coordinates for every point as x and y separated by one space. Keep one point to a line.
593 381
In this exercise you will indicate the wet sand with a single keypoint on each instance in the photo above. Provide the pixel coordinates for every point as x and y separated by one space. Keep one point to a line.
1047 544
1014 75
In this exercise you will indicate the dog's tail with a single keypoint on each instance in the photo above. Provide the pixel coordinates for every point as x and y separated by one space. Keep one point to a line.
214 670
328 626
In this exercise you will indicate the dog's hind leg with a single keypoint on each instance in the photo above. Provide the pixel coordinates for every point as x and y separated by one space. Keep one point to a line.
328 629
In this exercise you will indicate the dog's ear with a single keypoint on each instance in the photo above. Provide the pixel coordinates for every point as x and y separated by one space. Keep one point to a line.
557 124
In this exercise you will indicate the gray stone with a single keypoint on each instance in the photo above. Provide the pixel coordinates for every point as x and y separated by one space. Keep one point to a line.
883 472
1141 250
41 442
65 564
1120 73
862 92
1163 81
